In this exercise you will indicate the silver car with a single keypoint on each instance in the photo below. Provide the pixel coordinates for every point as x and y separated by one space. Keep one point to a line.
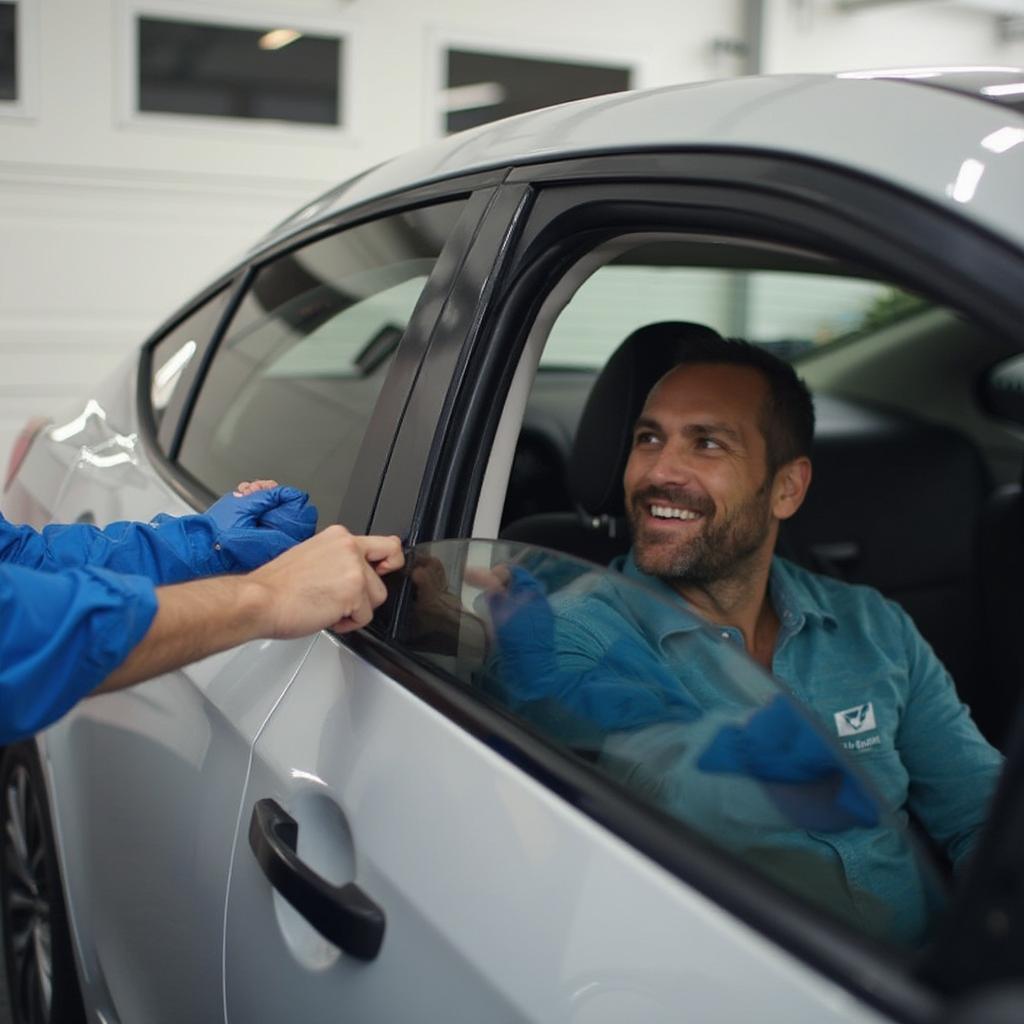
368 828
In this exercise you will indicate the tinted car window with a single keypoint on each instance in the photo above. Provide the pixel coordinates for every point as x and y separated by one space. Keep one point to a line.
293 384
173 361
611 674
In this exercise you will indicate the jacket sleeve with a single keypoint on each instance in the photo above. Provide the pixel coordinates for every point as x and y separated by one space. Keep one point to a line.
953 768
168 550
61 635
235 534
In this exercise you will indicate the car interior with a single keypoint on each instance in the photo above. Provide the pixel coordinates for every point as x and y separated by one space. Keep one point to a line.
917 452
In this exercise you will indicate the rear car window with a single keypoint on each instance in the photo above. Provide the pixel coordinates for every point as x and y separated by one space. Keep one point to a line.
295 380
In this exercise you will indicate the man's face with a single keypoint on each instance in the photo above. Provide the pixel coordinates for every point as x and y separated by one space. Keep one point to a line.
698 496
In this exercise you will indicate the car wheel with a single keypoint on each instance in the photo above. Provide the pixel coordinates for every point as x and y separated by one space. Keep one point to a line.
42 983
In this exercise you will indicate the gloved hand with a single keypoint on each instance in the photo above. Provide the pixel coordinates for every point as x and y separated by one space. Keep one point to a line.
253 528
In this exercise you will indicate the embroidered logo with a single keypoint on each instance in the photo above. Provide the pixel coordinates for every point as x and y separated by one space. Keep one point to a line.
856 720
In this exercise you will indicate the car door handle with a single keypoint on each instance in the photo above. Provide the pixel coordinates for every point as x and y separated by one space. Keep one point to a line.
344 915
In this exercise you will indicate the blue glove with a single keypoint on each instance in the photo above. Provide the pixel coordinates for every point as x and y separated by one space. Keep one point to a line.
253 529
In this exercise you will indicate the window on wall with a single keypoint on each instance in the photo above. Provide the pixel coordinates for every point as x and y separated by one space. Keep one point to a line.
255 73
8 51
482 87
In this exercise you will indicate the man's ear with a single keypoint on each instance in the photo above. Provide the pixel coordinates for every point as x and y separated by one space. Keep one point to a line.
790 487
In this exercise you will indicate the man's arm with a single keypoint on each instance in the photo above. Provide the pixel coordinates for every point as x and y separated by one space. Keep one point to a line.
953 769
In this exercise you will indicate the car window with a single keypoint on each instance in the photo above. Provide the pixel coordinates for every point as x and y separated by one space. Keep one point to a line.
788 312
294 382
174 358
641 691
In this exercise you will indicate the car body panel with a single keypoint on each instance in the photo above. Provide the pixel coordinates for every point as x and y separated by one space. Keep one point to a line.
822 118
502 902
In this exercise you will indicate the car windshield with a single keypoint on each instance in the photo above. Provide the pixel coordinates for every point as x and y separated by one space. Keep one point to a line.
640 689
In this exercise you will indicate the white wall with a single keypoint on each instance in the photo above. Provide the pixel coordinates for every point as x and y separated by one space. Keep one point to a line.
109 220
816 35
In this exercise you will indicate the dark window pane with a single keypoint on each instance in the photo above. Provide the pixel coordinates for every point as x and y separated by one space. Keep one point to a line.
484 87
294 382
221 71
8 52
644 693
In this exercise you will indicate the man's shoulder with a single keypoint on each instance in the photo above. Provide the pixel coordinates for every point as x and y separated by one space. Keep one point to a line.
833 596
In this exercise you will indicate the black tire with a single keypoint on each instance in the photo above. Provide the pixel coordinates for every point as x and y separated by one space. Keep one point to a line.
41 977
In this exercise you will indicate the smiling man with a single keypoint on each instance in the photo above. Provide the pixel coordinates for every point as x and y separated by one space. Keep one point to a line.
719 457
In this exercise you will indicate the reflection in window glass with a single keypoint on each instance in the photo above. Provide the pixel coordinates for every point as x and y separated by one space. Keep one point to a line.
8 51
173 359
294 382
639 688
483 87
229 71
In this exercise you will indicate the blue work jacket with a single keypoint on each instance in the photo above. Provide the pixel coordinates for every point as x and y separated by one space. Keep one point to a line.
75 600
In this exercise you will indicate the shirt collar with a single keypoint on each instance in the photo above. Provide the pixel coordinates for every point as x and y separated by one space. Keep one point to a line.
794 601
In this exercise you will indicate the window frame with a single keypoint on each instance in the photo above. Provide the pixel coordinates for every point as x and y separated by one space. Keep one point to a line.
220 14
433 485
162 447
26 34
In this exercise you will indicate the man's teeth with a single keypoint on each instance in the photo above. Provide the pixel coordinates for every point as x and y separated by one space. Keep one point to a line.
668 512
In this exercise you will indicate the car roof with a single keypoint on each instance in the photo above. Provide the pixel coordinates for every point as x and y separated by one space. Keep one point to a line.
954 145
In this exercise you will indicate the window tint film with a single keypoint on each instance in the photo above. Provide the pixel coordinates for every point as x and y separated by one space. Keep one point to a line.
483 87
174 360
610 674
295 380
8 51
230 71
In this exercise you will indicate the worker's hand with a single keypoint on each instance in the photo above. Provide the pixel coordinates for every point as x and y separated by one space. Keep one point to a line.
259 521
331 581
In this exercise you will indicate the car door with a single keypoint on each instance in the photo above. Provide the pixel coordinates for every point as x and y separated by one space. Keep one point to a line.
447 478
465 858
146 783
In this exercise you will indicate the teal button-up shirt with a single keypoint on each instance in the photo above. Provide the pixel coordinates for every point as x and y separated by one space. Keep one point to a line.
657 689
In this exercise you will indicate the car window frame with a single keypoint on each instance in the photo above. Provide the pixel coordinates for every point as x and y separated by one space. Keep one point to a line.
163 445
574 204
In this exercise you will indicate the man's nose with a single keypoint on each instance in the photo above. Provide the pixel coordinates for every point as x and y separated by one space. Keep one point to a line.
671 466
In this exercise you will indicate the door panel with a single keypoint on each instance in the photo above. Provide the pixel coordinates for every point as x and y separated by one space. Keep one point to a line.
502 902
146 787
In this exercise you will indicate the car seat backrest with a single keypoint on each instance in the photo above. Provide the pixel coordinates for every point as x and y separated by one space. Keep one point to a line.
895 503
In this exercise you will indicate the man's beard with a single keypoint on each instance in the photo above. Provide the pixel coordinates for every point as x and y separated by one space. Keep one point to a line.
717 552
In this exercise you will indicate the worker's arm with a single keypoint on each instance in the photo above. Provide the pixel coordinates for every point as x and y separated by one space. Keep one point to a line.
237 533
63 634
332 581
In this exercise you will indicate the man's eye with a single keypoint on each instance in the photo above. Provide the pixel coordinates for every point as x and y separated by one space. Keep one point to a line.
708 443
644 437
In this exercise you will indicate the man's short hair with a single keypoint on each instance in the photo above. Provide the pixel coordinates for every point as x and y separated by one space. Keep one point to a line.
787 417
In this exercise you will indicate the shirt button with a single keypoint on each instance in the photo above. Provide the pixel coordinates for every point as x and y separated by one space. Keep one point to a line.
216 547
725 634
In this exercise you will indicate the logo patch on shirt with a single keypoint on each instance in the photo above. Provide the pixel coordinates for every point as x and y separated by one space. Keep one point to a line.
857 720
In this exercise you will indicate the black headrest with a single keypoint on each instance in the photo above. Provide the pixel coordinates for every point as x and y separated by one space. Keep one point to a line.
605 432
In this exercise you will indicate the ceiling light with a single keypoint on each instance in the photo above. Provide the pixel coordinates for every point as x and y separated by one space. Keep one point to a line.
276 38
472 97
